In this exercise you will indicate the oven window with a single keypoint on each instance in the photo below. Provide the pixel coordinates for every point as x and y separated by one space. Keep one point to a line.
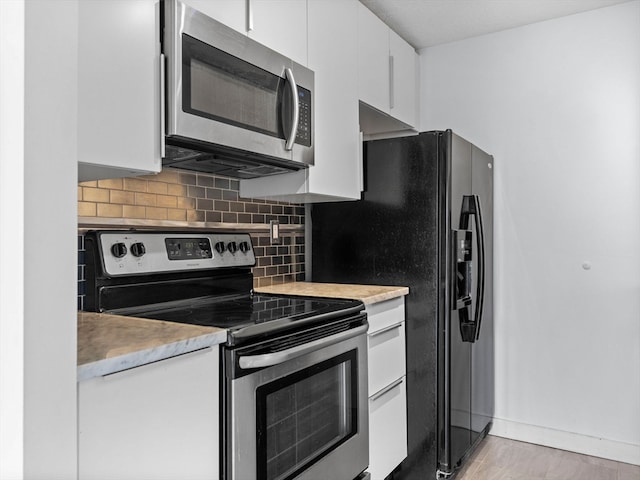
225 88
304 416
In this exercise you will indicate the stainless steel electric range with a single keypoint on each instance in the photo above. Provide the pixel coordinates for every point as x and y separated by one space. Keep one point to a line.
294 393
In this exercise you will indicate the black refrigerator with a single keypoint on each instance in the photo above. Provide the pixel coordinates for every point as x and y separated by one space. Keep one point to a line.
425 221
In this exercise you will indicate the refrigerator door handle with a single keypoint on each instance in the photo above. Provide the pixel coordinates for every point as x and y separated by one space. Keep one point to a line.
471 206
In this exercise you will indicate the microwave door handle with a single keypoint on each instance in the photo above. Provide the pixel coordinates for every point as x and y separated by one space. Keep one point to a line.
295 107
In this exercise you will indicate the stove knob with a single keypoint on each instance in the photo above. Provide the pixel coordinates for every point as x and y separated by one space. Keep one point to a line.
219 246
138 249
244 247
232 247
119 250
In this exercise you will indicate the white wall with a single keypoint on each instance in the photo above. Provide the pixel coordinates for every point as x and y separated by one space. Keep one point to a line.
11 229
38 221
558 104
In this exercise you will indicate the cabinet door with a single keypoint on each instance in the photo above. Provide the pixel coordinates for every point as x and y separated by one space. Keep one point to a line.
403 91
157 421
387 76
280 25
118 89
373 60
337 173
338 168
230 12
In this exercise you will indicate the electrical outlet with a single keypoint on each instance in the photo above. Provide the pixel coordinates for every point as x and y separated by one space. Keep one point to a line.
274 232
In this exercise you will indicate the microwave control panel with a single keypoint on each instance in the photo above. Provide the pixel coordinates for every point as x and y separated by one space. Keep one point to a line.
303 137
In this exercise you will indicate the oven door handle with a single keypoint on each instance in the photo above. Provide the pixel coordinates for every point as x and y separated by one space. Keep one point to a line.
276 358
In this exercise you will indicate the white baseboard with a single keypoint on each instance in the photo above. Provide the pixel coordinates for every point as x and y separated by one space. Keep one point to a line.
573 442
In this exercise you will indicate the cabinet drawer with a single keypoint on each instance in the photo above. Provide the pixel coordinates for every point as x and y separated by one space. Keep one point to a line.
387 430
384 314
387 358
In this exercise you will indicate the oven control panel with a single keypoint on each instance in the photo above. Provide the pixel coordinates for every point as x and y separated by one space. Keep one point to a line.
129 253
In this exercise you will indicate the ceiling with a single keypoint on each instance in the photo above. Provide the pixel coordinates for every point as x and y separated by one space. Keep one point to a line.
424 23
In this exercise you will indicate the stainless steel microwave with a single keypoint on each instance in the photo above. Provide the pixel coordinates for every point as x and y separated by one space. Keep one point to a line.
232 106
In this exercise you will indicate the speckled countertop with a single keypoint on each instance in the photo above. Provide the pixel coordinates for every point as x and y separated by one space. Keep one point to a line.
368 294
111 343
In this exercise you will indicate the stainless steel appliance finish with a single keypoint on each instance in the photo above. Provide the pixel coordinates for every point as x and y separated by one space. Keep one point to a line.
294 368
426 221
234 107
146 253
310 405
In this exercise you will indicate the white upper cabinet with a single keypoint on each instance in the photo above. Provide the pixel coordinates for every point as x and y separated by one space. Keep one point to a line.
118 89
230 12
337 173
373 59
387 77
404 87
280 25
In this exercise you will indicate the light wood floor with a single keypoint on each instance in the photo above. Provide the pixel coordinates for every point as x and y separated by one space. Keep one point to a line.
502 459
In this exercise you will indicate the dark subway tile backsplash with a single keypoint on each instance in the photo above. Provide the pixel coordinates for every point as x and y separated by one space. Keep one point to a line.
177 196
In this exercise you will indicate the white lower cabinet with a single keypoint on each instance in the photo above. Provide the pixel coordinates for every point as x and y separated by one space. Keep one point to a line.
387 387
158 421
387 429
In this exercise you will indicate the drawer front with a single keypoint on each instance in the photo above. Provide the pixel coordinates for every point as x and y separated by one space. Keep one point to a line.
387 357
387 430
384 314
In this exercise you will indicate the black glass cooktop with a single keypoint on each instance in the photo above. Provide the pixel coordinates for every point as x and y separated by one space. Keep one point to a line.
248 315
